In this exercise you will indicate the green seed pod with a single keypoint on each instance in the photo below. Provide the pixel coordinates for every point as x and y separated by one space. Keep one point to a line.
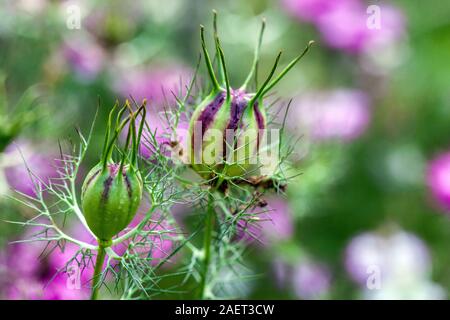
110 198
112 191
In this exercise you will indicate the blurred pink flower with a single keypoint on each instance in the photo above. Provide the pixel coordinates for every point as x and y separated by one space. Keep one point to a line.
84 56
311 280
163 134
23 258
342 114
158 133
347 24
35 271
386 46
16 172
157 84
281 272
264 225
157 244
344 27
308 279
311 10
392 29
24 289
438 179
395 256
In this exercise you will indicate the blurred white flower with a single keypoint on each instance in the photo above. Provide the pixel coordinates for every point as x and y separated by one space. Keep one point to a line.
402 264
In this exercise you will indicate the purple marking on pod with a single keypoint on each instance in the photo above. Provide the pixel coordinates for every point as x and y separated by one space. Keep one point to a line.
113 170
259 116
106 187
129 190
260 122
128 184
238 105
90 180
208 114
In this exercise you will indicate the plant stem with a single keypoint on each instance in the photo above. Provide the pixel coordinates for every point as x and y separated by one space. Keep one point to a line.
209 226
98 271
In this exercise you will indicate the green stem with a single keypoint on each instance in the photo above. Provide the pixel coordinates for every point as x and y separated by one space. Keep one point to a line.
98 271
207 240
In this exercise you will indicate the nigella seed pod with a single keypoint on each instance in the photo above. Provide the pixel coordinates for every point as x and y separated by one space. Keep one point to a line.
226 127
110 198
230 128
112 191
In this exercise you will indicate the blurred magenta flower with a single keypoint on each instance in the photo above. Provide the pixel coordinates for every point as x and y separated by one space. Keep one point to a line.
73 281
342 114
84 56
438 179
344 27
350 25
16 172
264 225
399 257
23 258
35 271
156 83
311 10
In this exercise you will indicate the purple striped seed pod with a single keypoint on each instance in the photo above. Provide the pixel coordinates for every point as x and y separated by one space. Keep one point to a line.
230 130
226 127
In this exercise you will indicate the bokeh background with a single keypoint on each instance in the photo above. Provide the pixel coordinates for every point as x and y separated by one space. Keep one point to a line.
368 216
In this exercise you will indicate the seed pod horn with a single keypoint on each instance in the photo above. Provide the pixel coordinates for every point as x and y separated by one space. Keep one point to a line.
112 192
